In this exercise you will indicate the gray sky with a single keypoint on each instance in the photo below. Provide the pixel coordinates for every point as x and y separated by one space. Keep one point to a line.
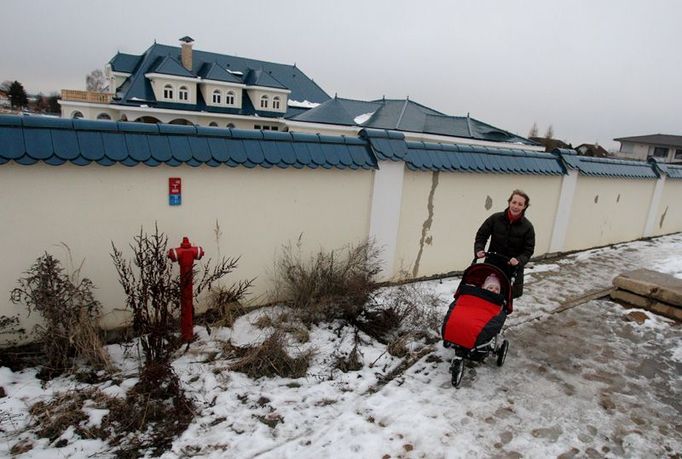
593 69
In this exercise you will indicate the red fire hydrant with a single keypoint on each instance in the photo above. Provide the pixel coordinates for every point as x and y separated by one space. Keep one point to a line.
185 256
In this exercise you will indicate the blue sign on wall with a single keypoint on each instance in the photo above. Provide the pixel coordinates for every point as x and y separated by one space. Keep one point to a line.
174 199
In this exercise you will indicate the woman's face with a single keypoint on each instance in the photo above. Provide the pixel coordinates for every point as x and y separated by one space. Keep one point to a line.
517 204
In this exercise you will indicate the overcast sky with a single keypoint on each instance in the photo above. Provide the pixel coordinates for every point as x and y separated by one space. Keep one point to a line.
593 69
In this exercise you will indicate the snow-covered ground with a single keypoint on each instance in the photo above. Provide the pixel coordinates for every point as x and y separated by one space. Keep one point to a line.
584 382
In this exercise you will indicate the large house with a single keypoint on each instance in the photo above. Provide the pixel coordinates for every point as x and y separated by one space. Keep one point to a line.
662 147
181 85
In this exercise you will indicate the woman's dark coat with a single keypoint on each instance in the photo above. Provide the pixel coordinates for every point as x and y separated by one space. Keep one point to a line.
515 239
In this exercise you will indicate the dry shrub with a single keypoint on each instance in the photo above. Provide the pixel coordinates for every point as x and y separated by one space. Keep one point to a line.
416 308
270 358
330 285
224 307
154 413
380 324
69 311
351 361
153 291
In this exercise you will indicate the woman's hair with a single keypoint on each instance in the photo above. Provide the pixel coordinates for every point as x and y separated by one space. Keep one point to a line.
522 194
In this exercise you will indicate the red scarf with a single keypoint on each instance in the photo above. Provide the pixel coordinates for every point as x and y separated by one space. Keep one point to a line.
513 218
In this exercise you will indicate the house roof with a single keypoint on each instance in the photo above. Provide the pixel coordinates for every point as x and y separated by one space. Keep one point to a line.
213 71
594 149
654 139
137 89
170 66
404 115
55 141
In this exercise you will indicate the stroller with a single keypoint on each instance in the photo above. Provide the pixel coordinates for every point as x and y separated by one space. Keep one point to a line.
473 323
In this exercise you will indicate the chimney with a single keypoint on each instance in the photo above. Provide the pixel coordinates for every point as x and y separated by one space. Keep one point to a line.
186 52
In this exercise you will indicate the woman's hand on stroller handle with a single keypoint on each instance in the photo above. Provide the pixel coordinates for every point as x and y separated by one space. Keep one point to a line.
510 261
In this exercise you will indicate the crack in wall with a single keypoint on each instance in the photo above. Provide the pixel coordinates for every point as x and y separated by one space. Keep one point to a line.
660 224
426 226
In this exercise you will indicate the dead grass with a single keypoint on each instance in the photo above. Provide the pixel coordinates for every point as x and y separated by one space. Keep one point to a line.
154 413
65 410
224 308
328 286
270 359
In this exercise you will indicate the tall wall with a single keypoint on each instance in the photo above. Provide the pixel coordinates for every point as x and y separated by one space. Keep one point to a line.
608 209
441 212
243 212
668 219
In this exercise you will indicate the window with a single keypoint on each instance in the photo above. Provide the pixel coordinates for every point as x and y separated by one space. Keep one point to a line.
213 124
230 125
678 154
263 101
76 115
257 126
183 93
216 96
274 128
103 116
229 98
660 152
275 103
168 92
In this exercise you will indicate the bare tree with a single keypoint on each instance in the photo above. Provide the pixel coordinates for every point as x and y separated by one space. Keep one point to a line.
550 132
95 81
533 130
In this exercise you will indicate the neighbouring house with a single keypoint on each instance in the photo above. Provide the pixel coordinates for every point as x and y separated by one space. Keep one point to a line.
589 149
662 147
5 102
551 144
181 85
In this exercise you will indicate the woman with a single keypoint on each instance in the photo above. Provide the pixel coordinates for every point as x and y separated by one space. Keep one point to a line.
511 234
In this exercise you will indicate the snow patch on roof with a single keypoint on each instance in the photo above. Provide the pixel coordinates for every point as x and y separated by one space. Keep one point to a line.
299 104
362 118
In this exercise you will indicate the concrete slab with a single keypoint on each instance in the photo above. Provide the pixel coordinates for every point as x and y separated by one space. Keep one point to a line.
650 304
652 284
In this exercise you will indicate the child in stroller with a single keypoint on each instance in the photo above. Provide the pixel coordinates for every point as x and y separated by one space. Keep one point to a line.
473 323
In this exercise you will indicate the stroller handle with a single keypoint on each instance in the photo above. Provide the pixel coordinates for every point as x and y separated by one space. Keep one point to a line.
499 260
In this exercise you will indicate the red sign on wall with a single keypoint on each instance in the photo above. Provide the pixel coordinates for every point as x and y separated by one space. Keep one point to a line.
174 191
174 185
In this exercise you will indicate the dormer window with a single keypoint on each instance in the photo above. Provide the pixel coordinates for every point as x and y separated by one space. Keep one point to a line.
168 91
275 103
229 98
183 93
264 102
216 96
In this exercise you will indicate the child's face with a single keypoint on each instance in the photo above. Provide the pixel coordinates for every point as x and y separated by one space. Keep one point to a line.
493 288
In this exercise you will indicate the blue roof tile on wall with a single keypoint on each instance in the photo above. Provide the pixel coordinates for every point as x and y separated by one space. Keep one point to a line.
674 172
475 158
55 141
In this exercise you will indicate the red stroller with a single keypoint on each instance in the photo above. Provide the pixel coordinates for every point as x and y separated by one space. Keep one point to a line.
473 323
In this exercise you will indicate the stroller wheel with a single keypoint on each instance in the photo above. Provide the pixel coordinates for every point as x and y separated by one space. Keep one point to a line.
502 353
457 369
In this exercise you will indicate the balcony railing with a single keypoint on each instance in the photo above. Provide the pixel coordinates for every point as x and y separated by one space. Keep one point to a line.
86 96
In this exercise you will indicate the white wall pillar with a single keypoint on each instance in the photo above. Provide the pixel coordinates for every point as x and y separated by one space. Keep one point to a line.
653 207
385 212
563 212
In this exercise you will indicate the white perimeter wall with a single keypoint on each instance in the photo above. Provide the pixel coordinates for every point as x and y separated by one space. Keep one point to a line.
607 210
257 211
424 221
668 218
437 235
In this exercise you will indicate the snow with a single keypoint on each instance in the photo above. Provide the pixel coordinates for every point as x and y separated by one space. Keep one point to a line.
362 118
583 382
302 104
